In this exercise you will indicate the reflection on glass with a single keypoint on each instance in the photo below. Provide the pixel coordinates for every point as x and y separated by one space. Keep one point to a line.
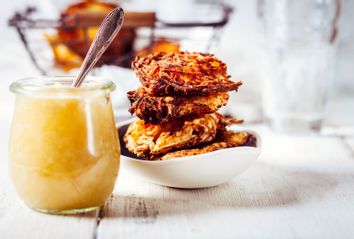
64 146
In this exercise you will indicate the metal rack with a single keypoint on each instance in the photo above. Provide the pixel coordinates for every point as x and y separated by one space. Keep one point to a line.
26 21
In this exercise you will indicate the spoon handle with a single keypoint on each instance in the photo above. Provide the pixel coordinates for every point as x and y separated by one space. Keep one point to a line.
105 35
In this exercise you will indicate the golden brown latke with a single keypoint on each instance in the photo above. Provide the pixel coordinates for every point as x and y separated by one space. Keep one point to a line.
151 140
227 139
183 73
162 109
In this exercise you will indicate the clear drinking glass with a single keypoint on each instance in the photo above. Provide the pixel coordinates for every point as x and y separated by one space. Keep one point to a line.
64 148
299 56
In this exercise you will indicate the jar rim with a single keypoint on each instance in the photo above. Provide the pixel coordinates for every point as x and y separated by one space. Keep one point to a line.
32 84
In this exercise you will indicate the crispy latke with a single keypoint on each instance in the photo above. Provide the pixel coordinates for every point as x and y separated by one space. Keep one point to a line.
151 140
183 73
226 139
162 109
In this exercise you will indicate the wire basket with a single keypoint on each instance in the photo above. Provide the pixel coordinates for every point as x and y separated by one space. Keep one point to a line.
142 32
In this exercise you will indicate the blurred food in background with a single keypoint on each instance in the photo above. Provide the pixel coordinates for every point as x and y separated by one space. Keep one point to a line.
72 40
160 45
71 33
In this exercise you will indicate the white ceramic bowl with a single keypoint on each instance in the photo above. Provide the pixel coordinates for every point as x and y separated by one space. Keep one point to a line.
199 171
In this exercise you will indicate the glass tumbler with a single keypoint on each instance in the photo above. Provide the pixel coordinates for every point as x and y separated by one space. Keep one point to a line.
299 55
64 146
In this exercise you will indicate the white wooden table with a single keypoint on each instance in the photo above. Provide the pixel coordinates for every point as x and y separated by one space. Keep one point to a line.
301 187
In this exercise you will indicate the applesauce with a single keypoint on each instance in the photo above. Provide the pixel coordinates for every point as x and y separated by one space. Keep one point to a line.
64 149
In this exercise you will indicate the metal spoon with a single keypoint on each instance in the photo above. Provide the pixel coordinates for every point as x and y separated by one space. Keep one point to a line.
105 35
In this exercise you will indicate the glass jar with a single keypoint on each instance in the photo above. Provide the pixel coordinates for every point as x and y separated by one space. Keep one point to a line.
299 49
64 146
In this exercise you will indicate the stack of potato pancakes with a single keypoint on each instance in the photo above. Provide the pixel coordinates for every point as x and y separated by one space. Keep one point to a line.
177 105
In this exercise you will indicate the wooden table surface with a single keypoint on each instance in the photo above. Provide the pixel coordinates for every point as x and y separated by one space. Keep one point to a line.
301 187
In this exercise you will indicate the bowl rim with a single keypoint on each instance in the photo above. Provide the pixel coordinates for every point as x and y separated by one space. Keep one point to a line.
258 148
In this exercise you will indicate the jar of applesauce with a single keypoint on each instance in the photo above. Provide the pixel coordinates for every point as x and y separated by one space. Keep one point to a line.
64 148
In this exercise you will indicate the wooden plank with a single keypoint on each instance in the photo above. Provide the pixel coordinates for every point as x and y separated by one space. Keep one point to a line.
16 220
349 141
301 187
